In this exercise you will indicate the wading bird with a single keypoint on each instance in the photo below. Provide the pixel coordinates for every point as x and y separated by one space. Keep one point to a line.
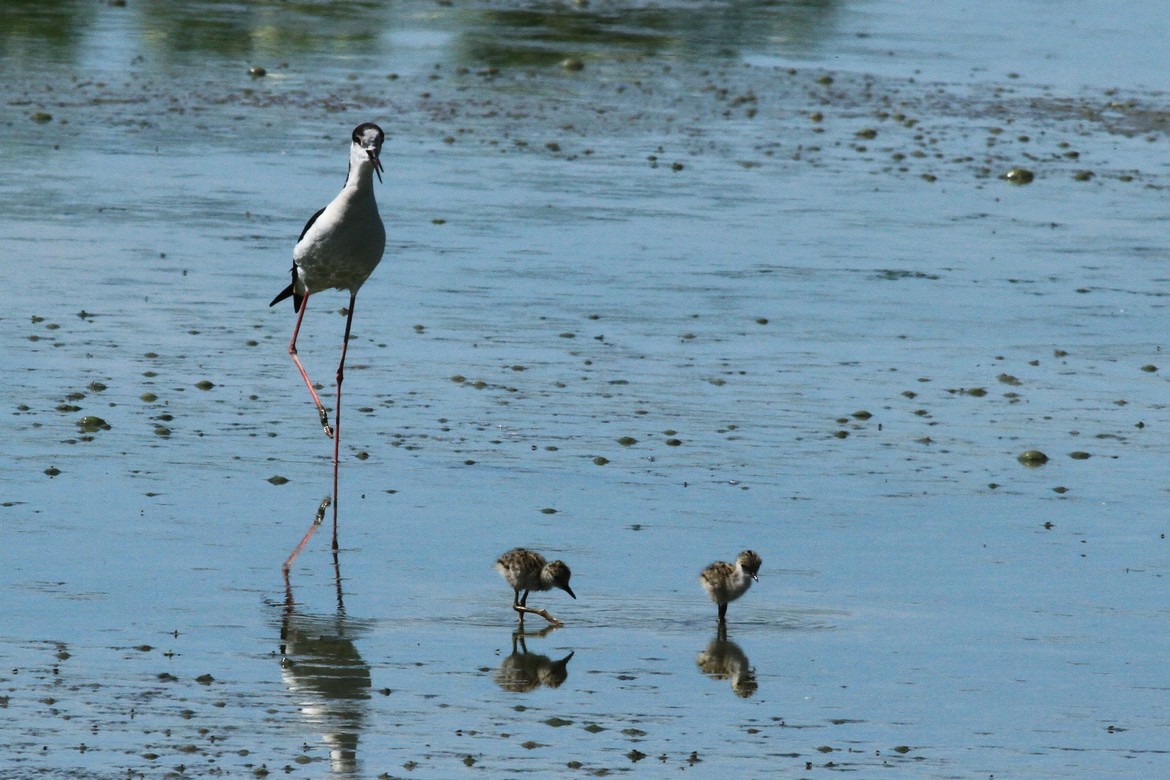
725 582
339 248
526 571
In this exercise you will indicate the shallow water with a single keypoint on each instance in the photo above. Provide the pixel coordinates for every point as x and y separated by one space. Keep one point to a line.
770 244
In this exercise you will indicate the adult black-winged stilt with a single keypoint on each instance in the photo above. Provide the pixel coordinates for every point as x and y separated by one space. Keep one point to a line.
339 248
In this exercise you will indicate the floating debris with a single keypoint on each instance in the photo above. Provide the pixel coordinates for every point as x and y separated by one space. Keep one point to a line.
92 424
1032 458
1019 176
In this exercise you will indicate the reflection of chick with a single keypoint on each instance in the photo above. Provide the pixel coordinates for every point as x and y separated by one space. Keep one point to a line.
724 660
523 671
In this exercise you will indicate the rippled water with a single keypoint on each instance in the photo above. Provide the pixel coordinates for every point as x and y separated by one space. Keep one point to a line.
747 277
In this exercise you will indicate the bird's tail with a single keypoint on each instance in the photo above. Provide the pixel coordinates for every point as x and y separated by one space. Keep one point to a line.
290 291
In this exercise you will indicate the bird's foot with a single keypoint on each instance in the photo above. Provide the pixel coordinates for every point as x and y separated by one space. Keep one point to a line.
542 612
325 421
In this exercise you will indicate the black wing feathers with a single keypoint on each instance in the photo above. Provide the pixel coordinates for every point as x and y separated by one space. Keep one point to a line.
291 290
309 224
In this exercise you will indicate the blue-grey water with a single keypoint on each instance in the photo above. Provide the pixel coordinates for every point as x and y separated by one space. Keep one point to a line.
663 281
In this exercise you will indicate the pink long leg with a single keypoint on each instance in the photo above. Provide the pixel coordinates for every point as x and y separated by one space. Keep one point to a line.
337 412
292 350
304 540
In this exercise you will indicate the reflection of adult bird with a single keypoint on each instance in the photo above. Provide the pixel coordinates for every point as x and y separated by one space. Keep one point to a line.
523 671
326 675
724 660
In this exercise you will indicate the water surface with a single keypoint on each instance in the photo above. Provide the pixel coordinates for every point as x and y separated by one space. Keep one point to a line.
769 244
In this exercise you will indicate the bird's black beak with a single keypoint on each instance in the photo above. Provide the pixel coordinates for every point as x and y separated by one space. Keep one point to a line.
377 163
569 591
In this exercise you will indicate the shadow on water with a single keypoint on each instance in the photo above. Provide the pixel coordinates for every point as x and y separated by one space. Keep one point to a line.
523 671
545 33
323 669
515 34
723 659
231 29
32 30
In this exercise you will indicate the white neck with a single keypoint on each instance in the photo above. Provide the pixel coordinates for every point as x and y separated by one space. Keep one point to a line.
361 169
742 578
